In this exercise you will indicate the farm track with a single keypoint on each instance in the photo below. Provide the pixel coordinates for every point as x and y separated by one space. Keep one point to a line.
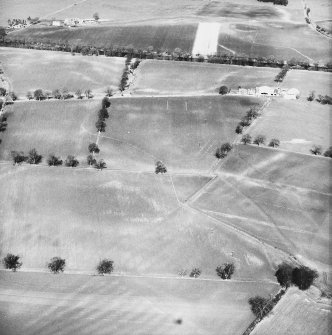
123 275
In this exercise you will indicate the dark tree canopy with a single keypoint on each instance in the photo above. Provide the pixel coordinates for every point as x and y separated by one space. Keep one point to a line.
195 273
259 139
57 265
91 160
316 150
303 277
260 306
100 165
328 152
93 148
225 271
246 139
239 129
54 160
34 157
101 125
105 103
223 90
103 114
105 266
39 94
18 157
160 167
12 262
284 274
274 143
71 161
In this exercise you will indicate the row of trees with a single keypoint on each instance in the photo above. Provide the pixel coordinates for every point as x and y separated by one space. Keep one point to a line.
149 53
276 2
60 94
260 139
322 99
56 264
224 271
317 150
287 275
246 121
282 74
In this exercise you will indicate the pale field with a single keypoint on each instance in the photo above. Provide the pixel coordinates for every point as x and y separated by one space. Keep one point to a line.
294 220
298 313
185 136
298 124
29 70
319 9
280 167
308 81
72 304
136 219
59 127
166 77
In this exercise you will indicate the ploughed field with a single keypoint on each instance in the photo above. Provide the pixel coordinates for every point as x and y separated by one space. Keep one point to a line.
166 77
121 305
29 70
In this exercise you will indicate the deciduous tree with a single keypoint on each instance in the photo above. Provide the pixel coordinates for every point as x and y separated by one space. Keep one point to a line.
259 139
12 262
71 161
54 160
246 139
34 157
57 265
105 266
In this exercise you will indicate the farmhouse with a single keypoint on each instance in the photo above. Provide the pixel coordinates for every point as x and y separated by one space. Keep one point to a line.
267 91
72 22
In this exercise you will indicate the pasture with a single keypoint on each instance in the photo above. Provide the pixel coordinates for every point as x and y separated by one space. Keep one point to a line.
167 77
298 124
319 9
183 132
59 127
51 70
136 219
298 313
121 305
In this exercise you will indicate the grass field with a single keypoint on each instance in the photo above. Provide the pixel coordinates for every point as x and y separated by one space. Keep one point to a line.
51 70
166 37
59 127
134 218
118 305
185 136
298 313
319 9
165 77
307 81
299 125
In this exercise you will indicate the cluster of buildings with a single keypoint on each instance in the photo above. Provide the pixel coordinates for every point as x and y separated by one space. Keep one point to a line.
268 91
73 22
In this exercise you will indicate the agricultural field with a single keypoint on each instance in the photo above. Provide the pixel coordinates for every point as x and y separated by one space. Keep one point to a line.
280 167
22 9
166 77
165 37
281 40
183 132
122 305
308 81
298 313
319 9
136 219
51 70
294 220
298 124
59 127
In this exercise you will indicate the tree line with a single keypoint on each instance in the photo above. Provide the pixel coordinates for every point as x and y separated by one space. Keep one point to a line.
160 54
56 264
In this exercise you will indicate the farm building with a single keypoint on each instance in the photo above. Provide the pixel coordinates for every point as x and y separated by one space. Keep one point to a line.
291 94
72 21
267 91
57 23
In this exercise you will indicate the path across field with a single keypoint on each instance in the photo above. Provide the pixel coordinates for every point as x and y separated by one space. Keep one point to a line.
206 40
